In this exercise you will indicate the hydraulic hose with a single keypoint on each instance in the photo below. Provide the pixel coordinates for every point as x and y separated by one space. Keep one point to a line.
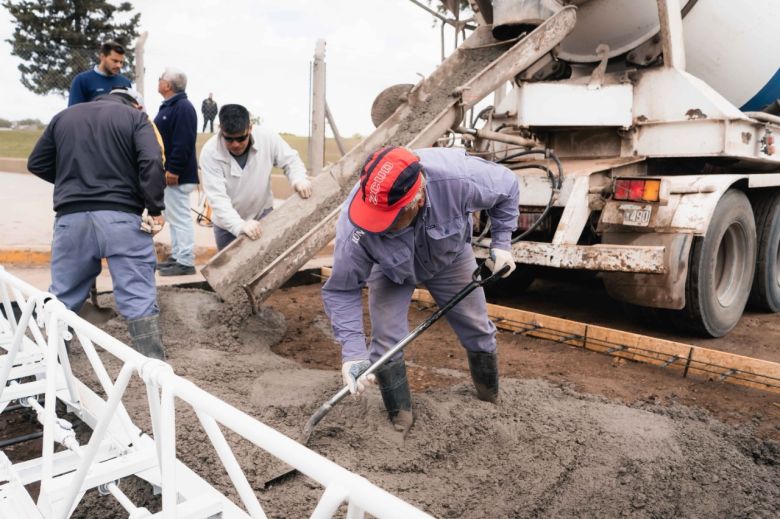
555 182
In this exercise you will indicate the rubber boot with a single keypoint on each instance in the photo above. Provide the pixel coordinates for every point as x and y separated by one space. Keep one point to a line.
394 387
484 373
147 337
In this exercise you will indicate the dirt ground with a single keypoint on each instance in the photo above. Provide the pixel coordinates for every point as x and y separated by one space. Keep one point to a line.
575 434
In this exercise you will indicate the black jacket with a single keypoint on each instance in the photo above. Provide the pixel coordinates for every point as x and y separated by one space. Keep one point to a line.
178 125
208 108
102 155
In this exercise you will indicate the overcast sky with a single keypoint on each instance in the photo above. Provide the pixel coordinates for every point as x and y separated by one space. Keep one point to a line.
258 53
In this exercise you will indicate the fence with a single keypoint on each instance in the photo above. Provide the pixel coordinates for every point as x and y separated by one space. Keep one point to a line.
34 338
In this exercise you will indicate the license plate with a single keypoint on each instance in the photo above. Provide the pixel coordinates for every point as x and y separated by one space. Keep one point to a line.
637 215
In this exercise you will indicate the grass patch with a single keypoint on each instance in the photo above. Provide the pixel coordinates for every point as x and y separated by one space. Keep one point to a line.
19 143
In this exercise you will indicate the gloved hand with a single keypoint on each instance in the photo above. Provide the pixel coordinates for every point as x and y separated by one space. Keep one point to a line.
303 188
500 258
152 224
252 229
352 373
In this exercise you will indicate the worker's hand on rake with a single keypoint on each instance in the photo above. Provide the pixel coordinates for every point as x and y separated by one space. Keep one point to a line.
500 259
252 229
303 188
352 373
152 224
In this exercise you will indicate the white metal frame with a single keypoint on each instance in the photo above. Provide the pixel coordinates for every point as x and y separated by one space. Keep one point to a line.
117 448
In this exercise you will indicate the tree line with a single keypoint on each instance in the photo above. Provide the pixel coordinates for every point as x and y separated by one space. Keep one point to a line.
57 39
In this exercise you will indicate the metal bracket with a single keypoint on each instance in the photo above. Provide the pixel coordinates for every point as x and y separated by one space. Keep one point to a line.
597 77
671 361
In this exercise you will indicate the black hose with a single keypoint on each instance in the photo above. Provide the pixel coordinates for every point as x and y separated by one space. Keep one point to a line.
20 439
556 183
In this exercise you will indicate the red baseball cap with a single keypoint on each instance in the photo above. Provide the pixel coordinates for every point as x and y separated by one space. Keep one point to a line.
389 180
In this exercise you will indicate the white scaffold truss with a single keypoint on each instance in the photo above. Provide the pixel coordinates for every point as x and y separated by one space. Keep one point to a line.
35 372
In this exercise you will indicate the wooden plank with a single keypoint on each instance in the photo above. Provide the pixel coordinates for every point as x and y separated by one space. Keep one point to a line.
730 367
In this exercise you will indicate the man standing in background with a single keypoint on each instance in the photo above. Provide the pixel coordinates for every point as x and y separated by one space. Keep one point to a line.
106 165
177 122
101 79
209 111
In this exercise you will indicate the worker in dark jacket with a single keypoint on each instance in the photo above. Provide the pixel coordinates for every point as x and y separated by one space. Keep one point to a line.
106 164
177 121
209 110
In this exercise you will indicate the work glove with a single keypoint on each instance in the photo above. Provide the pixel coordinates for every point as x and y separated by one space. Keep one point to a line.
500 258
252 229
152 224
352 373
303 188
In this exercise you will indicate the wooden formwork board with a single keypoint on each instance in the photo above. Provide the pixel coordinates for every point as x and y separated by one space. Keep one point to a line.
689 359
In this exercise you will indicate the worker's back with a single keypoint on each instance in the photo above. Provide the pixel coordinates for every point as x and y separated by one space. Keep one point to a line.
103 151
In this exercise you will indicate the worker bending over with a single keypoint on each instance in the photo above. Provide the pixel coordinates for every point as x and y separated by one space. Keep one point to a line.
106 164
236 167
408 222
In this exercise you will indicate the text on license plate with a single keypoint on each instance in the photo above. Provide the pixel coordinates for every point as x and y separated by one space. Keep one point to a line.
637 215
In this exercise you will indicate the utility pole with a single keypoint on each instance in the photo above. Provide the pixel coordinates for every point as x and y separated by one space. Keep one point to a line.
317 130
140 68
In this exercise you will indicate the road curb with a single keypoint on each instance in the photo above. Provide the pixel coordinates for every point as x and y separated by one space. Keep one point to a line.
39 257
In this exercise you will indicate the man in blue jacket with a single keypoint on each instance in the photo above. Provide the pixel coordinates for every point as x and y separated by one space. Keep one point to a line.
177 121
105 162
408 222
101 79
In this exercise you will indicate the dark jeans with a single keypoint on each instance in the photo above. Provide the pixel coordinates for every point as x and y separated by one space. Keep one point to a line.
210 122
223 237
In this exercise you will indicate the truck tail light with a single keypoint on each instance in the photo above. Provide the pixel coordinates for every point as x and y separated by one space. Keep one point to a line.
637 190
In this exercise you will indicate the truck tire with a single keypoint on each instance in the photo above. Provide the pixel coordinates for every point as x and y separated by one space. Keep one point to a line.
765 294
720 268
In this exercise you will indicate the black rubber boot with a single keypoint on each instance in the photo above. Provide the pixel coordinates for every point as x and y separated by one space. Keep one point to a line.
394 387
147 337
484 373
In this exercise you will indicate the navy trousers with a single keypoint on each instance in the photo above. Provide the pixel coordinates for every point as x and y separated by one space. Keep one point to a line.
81 240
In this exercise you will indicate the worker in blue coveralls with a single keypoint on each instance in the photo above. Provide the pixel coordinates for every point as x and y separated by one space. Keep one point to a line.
408 222
106 163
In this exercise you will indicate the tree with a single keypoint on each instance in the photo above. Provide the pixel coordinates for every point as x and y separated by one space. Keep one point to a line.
57 39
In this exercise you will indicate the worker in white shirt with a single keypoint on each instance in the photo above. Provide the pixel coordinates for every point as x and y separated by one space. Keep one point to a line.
236 165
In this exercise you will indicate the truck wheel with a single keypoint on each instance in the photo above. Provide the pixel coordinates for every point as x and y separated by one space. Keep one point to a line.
765 294
721 267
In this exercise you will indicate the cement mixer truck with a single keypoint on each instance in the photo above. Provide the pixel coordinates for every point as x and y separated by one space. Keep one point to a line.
670 173
643 135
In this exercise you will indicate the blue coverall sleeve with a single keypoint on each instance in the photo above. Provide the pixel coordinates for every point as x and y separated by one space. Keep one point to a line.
342 293
495 189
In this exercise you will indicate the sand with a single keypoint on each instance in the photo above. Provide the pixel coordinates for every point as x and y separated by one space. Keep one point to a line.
546 450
